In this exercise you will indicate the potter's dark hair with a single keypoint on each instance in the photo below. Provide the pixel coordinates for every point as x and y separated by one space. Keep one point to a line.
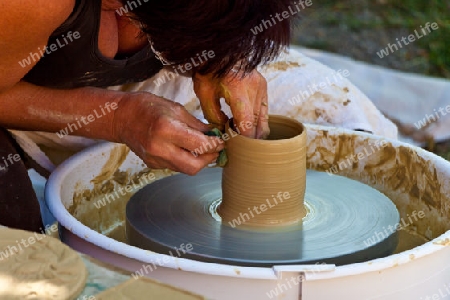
180 29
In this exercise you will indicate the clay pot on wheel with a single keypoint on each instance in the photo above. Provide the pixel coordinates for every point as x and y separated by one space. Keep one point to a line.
263 183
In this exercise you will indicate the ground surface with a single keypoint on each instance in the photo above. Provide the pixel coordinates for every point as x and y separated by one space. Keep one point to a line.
362 28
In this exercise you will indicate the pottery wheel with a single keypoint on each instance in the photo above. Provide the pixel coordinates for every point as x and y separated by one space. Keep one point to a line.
347 222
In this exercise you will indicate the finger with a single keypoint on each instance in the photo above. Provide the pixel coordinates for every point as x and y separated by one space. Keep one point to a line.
193 122
210 104
262 127
185 162
192 140
243 114
154 164
179 160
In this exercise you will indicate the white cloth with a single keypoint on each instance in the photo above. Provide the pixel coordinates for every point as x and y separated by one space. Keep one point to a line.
298 87
408 98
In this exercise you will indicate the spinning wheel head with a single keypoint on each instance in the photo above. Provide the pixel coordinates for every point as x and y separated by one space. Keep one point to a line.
343 224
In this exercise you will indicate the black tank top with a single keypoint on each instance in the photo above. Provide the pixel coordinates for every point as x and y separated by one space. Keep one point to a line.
78 62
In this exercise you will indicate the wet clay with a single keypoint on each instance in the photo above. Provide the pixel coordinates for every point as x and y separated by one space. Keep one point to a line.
37 266
137 288
264 180
91 205
116 158
405 175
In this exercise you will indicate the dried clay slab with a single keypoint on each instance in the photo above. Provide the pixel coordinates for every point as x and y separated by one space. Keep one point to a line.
37 266
145 288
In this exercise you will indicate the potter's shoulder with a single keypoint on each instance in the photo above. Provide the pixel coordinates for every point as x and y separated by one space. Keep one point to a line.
25 26
38 13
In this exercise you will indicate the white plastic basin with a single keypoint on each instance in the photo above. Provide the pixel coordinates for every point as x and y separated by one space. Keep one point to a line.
414 179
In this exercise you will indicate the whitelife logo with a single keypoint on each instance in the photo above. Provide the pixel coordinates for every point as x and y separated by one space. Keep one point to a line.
266 24
316 87
130 6
432 118
109 107
11 158
223 138
379 236
48 230
244 217
178 70
411 38
350 160
148 268
113 196
47 50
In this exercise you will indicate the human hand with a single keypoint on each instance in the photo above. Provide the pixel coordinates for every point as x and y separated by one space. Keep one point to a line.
163 134
247 98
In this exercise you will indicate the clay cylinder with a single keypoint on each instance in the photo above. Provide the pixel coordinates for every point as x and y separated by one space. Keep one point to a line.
263 183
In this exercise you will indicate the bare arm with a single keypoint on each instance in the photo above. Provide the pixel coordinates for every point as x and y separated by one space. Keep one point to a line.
24 27
29 107
159 131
